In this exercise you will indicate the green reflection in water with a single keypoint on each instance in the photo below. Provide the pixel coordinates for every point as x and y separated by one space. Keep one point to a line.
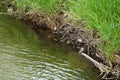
23 57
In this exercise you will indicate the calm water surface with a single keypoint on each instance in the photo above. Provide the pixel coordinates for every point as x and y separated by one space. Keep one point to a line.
23 57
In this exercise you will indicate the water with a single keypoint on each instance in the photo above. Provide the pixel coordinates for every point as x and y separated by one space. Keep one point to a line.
24 57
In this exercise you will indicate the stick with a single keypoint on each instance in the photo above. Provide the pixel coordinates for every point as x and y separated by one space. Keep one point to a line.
1 13
103 68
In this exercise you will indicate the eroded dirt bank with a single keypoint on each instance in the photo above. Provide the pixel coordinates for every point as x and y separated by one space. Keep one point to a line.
79 39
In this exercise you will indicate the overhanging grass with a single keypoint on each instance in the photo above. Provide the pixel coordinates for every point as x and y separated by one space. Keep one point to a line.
102 15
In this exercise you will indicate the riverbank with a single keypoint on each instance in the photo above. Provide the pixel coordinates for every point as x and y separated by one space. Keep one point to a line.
79 39
24 56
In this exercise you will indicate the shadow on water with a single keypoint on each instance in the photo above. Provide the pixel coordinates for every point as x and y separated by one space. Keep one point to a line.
23 57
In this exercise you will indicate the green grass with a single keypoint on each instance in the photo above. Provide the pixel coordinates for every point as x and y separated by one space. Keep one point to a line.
46 6
102 15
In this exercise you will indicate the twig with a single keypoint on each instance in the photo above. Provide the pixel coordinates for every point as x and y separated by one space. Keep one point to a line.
103 68
1 13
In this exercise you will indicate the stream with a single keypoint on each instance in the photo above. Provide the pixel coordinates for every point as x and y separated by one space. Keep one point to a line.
24 57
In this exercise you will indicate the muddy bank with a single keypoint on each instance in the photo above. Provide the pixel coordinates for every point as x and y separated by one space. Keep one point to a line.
79 39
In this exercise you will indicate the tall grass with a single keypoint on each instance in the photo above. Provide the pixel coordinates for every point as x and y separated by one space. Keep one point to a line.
46 6
103 15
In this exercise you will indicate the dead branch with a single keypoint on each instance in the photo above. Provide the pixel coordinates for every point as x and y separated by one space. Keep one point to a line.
103 68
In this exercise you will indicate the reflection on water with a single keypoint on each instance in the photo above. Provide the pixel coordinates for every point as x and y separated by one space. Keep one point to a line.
23 57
